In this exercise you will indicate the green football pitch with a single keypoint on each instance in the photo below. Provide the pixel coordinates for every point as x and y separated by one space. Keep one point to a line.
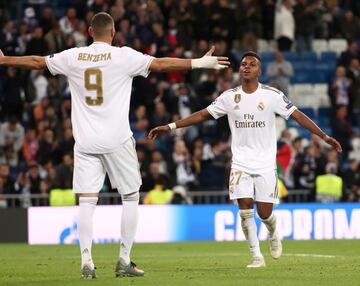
195 263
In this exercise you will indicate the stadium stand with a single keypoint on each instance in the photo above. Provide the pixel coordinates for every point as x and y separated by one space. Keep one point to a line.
42 103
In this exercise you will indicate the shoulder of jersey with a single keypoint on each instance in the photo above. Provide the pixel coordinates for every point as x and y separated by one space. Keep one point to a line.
231 90
270 88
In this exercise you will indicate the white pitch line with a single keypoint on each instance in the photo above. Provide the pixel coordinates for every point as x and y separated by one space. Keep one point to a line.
309 255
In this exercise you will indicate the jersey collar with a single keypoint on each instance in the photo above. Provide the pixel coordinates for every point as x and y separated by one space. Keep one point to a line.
100 43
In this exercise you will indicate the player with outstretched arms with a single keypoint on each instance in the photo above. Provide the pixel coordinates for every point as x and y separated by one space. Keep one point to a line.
251 109
100 78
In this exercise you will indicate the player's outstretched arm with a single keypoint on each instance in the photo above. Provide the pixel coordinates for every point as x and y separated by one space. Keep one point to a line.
310 125
27 62
206 62
196 117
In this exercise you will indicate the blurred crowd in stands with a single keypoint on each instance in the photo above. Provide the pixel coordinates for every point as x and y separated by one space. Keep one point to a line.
36 140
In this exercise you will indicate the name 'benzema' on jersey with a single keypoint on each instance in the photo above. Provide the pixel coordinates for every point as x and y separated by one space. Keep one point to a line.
100 78
252 122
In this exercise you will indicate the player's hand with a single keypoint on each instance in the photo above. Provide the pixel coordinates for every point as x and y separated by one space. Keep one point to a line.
158 131
210 62
333 142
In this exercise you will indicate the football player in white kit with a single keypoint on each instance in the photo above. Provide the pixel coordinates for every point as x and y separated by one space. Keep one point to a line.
100 78
251 109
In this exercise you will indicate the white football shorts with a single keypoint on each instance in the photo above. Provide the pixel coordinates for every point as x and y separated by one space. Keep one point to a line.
259 187
122 167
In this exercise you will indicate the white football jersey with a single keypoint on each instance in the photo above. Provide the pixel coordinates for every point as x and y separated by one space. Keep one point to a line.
252 123
100 80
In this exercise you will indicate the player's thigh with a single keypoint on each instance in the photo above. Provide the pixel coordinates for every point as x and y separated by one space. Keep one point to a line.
241 185
122 167
266 189
89 173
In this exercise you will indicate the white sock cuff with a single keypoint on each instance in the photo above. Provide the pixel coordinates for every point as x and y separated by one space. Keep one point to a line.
89 201
132 197
249 213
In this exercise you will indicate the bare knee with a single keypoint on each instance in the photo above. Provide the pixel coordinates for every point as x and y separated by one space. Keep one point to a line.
264 210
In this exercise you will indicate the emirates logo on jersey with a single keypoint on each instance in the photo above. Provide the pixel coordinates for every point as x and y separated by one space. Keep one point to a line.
237 98
261 106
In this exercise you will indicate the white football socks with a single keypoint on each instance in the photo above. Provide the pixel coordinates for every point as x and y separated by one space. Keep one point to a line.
85 228
270 224
129 220
250 231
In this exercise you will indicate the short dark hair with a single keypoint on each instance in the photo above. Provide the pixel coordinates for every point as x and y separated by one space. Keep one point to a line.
250 54
101 22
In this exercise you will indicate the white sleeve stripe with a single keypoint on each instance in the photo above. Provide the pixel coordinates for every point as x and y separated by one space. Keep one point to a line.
212 113
49 66
292 109
147 71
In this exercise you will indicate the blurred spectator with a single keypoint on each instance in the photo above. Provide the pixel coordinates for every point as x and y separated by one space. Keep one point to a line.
8 39
353 73
22 39
139 123
333 22
352 52
11 101
284 31
306 169
213 167
55 38
66 145
351 176
284 154
11 138
160 116
339 88
30 18
183 15
6 183
354 196
47 148
30 146
306 20
40 83
202 15
329 187
341 129
280 72
80 34
248 16
69 21
350 26
180 196
37 45
268 16
127 31
160 194
47 19
224 22
64 173
98 6
183 164
160 46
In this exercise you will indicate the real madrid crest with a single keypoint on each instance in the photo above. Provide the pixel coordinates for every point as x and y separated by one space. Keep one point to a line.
261 106
237 98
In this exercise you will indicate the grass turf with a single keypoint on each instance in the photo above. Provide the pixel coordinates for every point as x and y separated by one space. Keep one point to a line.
196 263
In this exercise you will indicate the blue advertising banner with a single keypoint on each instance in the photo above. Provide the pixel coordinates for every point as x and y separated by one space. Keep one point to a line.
170 223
